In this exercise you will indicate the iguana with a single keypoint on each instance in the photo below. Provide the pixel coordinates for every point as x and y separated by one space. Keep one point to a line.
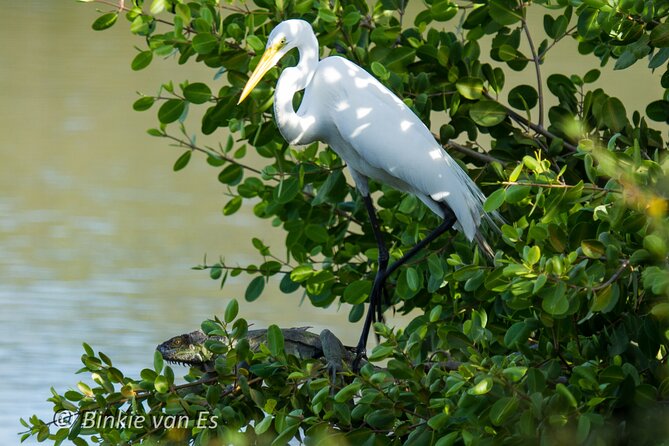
189 349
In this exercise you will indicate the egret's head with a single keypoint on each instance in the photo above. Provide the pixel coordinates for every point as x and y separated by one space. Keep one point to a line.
283 38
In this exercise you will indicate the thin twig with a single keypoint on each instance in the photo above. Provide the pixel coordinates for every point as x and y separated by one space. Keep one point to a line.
539 129
537 70
211 153
557 186
567 33
469 152
121 7
625 264
473 153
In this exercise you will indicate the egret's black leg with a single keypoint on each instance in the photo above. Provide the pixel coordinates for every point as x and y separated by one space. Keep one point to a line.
375 295
383 273
449 221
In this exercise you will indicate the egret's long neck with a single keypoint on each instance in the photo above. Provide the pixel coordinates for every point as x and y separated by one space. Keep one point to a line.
294 126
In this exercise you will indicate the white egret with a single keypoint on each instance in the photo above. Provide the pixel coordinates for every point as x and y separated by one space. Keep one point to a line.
375 133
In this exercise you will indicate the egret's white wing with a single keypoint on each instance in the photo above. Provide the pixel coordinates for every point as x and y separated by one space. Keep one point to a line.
381 138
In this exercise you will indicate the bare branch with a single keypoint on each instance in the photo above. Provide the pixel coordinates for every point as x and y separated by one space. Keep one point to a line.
537 128
537 61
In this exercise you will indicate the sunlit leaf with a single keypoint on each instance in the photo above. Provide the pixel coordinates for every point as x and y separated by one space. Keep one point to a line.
487 113
105 21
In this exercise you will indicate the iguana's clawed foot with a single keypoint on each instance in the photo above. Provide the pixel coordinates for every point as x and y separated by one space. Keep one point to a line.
334 352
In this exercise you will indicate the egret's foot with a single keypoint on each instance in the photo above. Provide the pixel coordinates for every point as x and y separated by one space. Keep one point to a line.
357 361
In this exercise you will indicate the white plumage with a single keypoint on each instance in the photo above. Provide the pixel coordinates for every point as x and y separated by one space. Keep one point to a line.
368 126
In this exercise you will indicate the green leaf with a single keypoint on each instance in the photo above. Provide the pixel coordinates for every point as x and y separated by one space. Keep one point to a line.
566 394
523 97
141 60
507 53
513 177
515 373
613 114
381 418
516 193
588 26
255 43
517 334
533 255
435 313
254 289
158 6
232 206
334 183
182 161
539 283
171 110
413 281
591 76
287 285
143 103
231 311
606 299
502 410
357 292
593 248
656 245
197 93
443 10
470 87
317 233
352 18
658 110
346 394
400 369
505 12
105 21
482 387
275 340
380 352
487 113
556 302
286 190
326 15
157 361
380 71
495 200
142 25
161 384
659 36
265 423
204 43
583 428
231 175
438 421
302 273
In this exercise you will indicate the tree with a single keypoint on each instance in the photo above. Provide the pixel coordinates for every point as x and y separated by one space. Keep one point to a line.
563 338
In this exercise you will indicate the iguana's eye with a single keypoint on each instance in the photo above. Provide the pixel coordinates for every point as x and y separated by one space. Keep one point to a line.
178 342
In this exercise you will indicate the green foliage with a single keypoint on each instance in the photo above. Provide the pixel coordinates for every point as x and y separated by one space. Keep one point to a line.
562 339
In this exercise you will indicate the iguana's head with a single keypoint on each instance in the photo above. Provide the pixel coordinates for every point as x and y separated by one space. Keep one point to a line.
186 349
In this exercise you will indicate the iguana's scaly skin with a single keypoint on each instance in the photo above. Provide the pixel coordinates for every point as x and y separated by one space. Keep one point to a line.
189 349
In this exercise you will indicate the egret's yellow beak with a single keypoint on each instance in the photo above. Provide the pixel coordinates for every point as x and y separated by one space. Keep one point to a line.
267 61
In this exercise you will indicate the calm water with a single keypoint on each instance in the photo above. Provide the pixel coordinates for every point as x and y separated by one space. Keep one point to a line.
97 234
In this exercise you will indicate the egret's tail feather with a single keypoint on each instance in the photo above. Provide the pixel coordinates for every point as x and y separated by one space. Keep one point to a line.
489 226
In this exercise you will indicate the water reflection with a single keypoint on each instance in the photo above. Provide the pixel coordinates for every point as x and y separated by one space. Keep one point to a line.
98 235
